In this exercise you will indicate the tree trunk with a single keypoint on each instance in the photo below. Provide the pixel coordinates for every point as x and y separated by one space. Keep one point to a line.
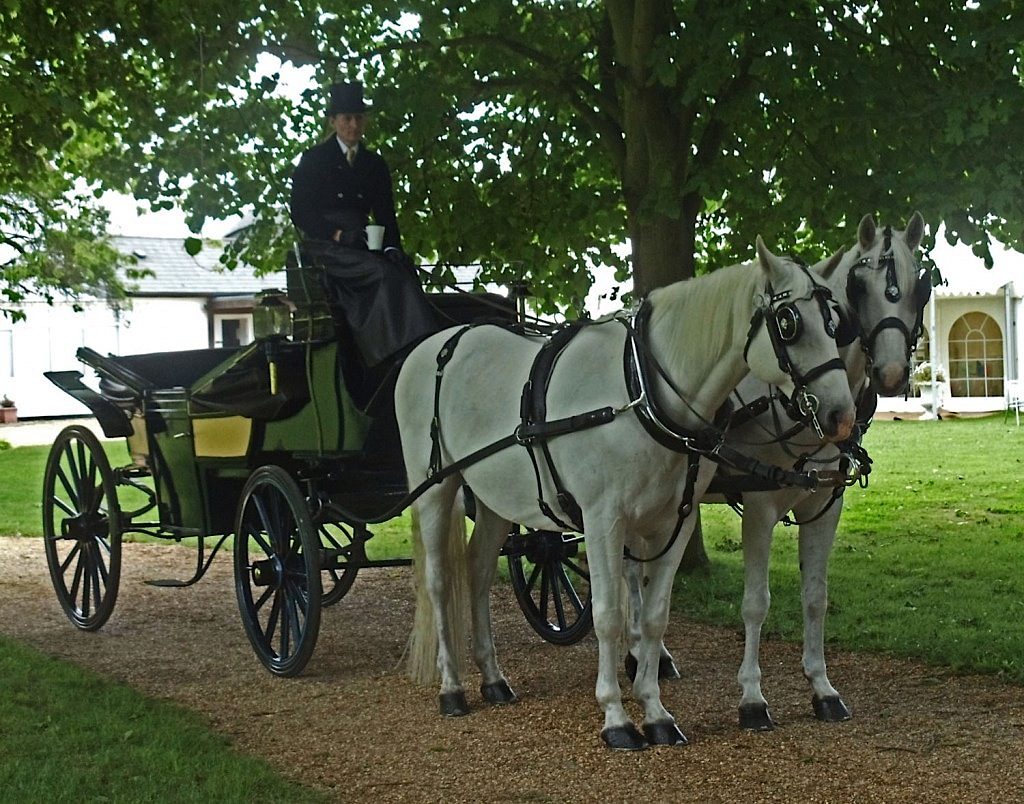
662 253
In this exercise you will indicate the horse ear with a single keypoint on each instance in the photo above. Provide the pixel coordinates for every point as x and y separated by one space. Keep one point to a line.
866 232
915 231
833 262
764 256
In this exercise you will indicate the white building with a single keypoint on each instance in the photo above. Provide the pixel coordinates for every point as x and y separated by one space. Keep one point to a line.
189 303
972 333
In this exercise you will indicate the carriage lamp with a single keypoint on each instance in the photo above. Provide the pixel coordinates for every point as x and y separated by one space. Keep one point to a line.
271 317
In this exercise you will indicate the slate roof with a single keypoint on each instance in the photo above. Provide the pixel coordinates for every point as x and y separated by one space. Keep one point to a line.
177 273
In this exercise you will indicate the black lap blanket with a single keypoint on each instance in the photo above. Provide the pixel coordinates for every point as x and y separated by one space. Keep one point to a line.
382 303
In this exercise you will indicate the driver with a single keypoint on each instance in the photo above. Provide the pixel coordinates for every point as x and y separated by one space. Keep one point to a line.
336 187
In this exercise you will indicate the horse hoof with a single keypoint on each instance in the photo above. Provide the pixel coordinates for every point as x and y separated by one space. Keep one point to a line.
755 717
667 670
454 704
499 693
664 734
624 738
830 709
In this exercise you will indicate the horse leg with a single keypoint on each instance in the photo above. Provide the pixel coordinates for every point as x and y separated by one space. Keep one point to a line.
604 557
489 534
759 517
816 539
632 573
436 519
659 725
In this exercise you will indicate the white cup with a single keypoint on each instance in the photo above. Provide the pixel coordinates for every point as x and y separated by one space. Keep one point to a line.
374 237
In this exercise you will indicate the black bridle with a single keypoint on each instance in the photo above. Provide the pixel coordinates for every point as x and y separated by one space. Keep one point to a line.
784 325
922 291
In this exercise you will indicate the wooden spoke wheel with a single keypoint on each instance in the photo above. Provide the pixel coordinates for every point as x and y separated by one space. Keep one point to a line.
551 581
277 571
82 527
343 555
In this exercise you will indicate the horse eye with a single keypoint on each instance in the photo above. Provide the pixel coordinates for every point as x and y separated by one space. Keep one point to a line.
789 323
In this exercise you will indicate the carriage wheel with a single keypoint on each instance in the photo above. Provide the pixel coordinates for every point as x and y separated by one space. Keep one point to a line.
82 527
277 571
344 556
551 580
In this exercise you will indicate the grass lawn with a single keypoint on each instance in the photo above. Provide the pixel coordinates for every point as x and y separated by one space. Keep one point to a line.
67 734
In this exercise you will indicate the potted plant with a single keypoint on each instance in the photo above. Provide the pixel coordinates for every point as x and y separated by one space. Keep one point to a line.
925 376
8 410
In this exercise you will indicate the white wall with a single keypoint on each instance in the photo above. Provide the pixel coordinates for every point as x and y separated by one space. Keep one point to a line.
50 335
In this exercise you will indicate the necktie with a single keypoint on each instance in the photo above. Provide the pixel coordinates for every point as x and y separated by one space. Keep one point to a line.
351 156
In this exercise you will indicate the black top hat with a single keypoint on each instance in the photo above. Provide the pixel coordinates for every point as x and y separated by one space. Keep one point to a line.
347 98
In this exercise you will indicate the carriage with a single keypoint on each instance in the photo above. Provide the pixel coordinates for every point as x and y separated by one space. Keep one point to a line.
283 444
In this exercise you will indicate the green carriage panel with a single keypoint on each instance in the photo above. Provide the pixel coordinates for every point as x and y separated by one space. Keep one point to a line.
329 423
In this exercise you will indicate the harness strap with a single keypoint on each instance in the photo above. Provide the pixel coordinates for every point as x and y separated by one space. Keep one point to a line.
443 358
685 509
533 412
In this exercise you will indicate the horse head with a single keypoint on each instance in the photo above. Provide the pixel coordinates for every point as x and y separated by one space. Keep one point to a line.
792 344
885 294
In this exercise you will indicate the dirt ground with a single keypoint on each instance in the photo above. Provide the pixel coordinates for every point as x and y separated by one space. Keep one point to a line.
353 725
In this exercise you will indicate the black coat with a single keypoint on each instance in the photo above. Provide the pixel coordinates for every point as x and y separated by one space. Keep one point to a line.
329 194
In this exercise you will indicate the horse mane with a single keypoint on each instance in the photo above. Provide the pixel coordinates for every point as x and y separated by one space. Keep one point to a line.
707 310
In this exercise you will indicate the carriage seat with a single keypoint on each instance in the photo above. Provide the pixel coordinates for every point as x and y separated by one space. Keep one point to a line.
234 381
124 379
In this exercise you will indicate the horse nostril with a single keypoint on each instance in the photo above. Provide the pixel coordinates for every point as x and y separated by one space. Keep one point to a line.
890 379
841 423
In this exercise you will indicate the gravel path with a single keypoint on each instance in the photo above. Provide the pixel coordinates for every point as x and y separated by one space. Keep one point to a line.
354 725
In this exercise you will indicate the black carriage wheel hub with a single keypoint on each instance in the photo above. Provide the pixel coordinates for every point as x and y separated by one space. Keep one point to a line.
267 572
85 527
548 548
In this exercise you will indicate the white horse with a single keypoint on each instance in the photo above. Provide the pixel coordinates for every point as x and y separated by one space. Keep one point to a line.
882 293
703 334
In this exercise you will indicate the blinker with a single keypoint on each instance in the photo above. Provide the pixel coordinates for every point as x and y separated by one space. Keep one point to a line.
788 319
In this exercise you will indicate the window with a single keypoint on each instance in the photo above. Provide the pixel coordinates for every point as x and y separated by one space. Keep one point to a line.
232 330
976 356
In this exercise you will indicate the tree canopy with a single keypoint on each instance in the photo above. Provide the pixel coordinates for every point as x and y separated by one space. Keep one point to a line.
529 135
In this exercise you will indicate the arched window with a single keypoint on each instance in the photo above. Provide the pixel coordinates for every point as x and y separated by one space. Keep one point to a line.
976 356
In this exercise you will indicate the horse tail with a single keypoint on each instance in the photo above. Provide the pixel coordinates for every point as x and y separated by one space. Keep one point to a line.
422 647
